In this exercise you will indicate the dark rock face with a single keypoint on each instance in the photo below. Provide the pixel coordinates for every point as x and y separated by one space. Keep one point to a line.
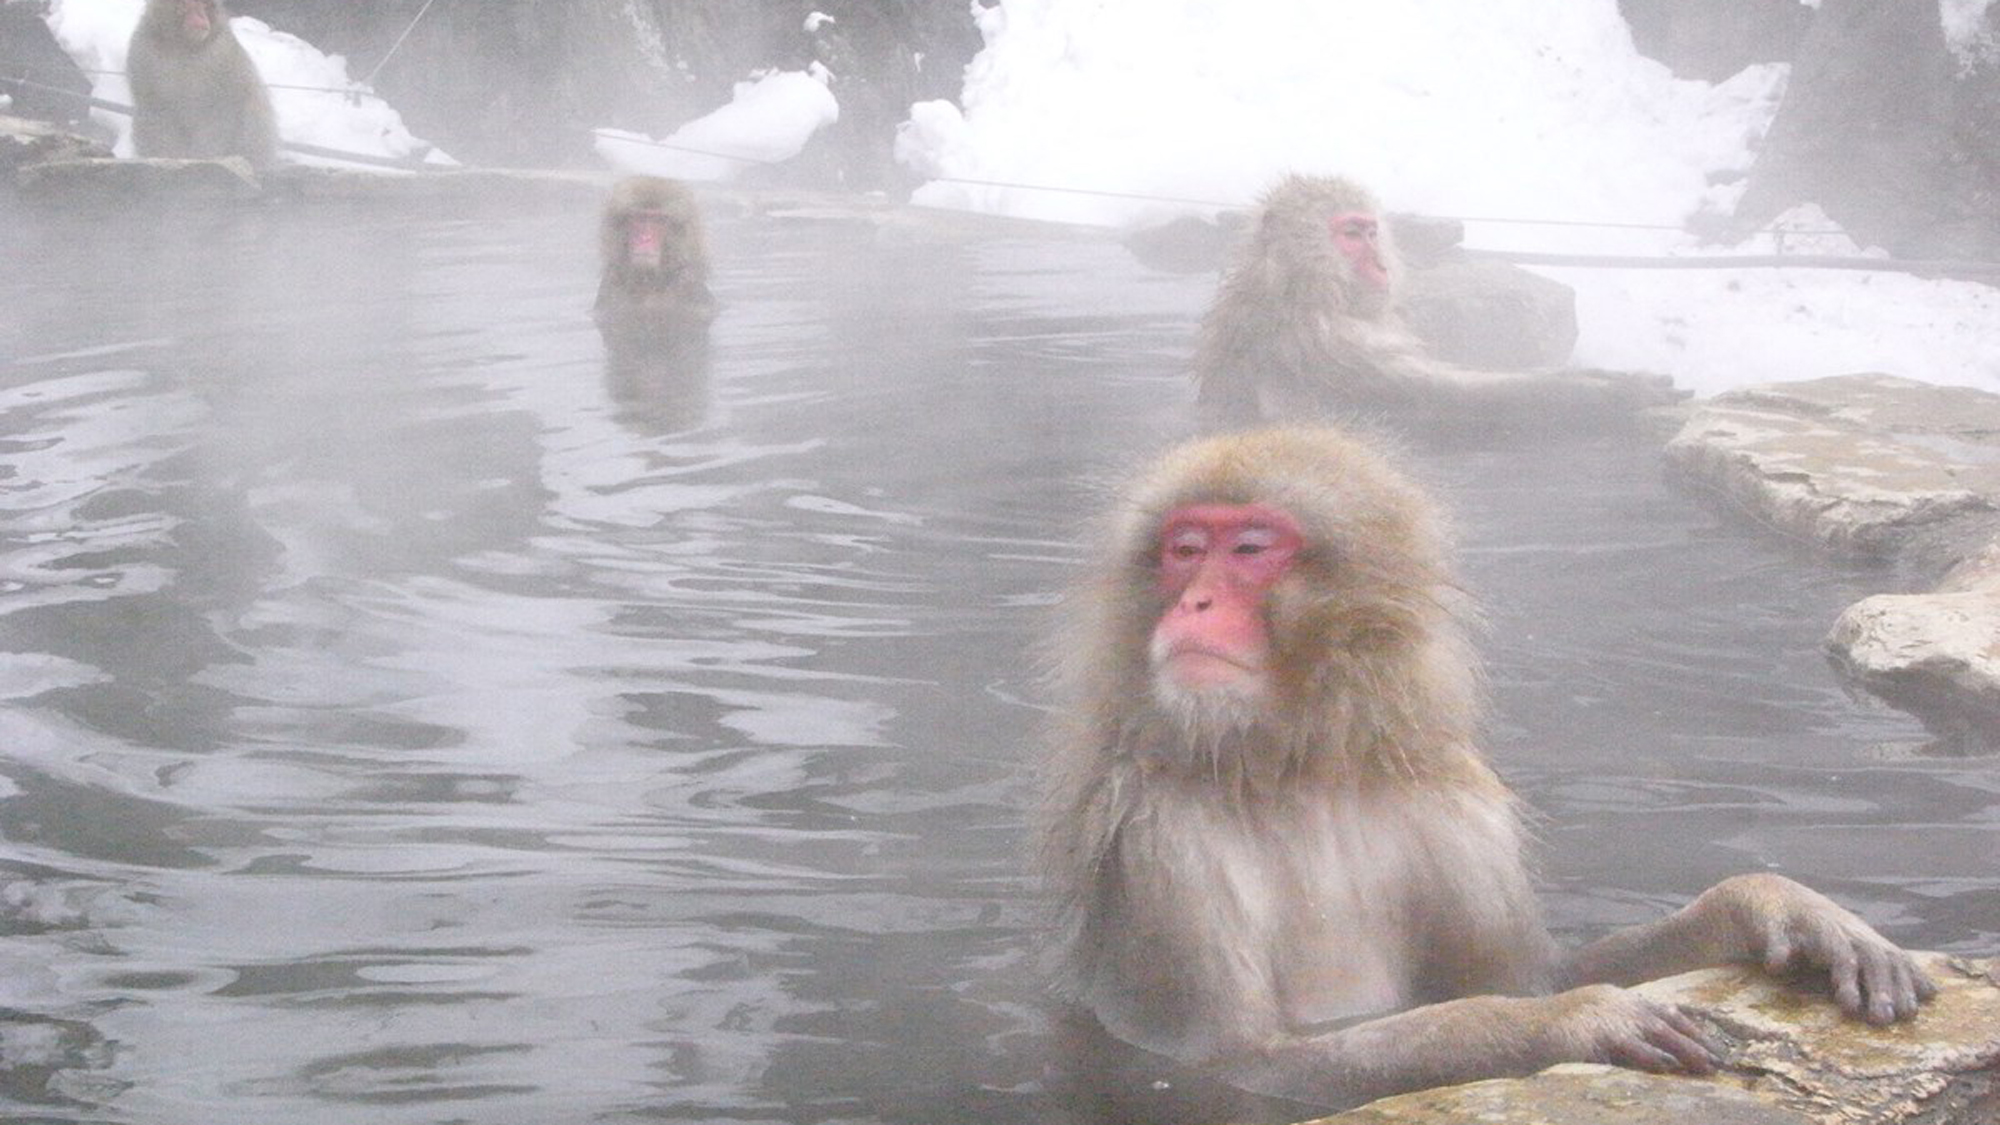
522 82
44 83
1889 130
1883 125
24 142
1713 39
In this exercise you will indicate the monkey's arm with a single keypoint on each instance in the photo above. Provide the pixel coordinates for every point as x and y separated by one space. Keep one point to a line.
699 300
256 121
1768 920
1470 1039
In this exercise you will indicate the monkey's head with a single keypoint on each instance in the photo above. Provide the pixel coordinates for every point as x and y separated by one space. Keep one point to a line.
192 22
1329 230
651 229
1277 581
182 25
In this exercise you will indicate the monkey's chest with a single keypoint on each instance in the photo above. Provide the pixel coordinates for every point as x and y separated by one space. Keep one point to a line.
1334 939
1310 906
1337 961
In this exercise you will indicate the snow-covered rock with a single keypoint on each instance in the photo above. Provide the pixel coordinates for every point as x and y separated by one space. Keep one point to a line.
1884 469
1935 655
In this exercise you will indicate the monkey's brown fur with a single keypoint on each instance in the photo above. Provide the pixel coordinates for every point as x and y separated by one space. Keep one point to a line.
1295 335
653 316
1326 898
198 100
1291 323
672 297
1378 609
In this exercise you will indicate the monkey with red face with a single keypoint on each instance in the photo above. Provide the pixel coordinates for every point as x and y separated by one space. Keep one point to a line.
654 255
653 302
1273 847
195 93
1305 326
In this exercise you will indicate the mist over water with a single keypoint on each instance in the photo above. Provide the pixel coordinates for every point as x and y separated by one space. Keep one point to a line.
409 720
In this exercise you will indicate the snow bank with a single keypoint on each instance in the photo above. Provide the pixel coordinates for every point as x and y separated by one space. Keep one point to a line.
1541 114
768 121
315 100
1491 107
1965 29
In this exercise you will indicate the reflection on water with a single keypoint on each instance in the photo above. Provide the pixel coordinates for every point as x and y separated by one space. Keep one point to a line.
410 719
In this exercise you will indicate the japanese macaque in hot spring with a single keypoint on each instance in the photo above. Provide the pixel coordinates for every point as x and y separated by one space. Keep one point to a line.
654 257
1305 326
1273 845
653 302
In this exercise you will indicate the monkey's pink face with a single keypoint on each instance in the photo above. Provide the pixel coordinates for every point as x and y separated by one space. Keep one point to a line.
652 240
1217 563
198 20
1358 237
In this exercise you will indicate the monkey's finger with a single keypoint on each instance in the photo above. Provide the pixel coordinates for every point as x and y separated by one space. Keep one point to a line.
1905 998
1926 987
1690 1055
1638 1054
1844 968
1878 982
1678 1019
1913 985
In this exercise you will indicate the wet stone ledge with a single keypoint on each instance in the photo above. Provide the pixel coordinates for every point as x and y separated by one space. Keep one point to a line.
1935 655
232 181
51 169
1876 468
1790 1058
24 142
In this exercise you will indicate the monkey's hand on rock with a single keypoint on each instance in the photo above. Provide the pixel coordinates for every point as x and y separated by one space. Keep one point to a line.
1772 921
1782 925
1605 1023
1473 1038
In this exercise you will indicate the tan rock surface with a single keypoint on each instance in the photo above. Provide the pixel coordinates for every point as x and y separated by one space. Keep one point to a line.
1866 466
1791 1059
1935 655
1880 468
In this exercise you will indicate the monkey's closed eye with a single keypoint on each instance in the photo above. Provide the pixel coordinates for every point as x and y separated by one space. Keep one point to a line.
1255 540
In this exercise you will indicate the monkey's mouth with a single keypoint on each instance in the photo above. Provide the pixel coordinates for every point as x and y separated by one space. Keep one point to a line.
1198 667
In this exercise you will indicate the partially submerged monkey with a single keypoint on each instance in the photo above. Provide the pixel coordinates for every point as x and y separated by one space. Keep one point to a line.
653 302
1273 846
655 262
195 93
1305 326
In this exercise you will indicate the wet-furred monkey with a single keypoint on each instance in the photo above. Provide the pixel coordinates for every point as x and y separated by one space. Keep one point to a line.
653 302
1273 848
195 92
1305 326
655 262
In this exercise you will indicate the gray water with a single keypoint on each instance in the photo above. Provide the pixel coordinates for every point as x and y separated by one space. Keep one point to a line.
407 721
